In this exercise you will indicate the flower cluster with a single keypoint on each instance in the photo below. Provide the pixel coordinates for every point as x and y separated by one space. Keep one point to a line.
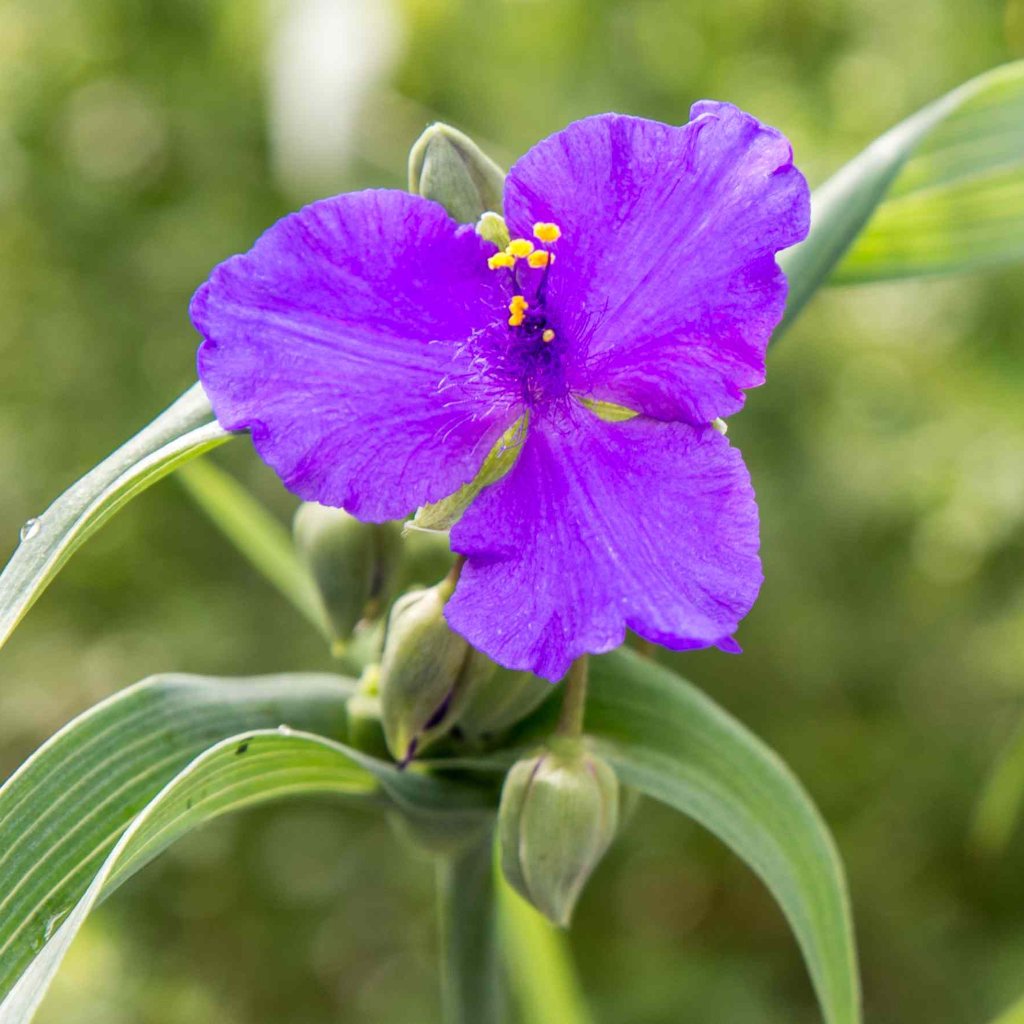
378 351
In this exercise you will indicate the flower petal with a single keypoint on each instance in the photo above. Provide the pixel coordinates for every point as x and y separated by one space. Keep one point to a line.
339 340
665 275
600 526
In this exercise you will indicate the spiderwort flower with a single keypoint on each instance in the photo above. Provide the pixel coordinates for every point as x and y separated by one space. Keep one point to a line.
377 351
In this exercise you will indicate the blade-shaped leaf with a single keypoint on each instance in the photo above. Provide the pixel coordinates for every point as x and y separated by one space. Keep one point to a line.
541 972
180 433
671 742
1014 1015
114 787
999 806
975 130
958 202
238 772
65 807
261 538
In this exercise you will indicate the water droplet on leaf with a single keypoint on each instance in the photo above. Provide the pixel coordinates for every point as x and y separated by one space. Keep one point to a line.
32 528
52 924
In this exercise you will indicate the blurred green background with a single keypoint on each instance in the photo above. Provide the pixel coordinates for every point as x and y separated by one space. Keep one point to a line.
142 141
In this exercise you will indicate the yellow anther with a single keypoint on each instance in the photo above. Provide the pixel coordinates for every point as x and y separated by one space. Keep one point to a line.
519 247
548 335
501 259
547 232
516 319
538 259
518 303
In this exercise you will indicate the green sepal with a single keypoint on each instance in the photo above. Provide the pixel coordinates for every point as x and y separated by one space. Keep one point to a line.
449 167
444 514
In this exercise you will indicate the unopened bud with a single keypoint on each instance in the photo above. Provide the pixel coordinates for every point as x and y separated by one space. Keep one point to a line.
420 672
353 564
449 167
363 713
559 813
496 698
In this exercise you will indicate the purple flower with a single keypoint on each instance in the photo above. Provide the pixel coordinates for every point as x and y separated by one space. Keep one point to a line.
377 351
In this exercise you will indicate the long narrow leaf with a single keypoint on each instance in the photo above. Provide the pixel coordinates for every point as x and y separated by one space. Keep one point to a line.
541 973
671 742
180 433
975 130
118 784
66 806
238 772
1014 1015
958 202
999 806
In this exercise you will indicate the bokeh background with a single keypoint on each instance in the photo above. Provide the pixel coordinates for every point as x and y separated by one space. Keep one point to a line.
142 141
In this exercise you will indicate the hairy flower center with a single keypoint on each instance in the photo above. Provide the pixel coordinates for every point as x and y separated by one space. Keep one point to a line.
531 358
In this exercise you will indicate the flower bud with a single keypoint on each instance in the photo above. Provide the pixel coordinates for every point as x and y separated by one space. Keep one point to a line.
451 169
559 812
420 672
362 710
353 564
496 698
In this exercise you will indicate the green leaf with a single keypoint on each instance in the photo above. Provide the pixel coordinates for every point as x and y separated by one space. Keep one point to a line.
541 972
1014 1015
257 534
668 740
958 202
1001 801
180 433
121 782
957 199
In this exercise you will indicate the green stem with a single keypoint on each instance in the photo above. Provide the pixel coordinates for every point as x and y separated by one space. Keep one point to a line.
574 701
470 980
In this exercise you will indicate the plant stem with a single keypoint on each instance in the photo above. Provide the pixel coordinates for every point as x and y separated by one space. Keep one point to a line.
470 979
574 702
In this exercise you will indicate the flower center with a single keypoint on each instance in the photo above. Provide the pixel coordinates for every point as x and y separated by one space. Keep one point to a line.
530 355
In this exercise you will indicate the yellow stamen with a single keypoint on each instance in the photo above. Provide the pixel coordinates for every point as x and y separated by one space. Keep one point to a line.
539 259
516 319
501 259
548 335
519 247
547 232
518 302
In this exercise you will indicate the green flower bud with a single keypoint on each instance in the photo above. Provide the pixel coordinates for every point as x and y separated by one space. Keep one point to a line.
451 169
559 813
496 698
362 709
420 673
353 564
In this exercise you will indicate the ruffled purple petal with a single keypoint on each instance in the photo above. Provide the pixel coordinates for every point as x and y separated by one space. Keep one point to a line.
599 527
341 341
665 275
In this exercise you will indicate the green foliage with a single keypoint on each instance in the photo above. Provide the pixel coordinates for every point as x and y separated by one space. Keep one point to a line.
66 807
956 205
149 765
181 433
1001 800
542 975
671 742
957 202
